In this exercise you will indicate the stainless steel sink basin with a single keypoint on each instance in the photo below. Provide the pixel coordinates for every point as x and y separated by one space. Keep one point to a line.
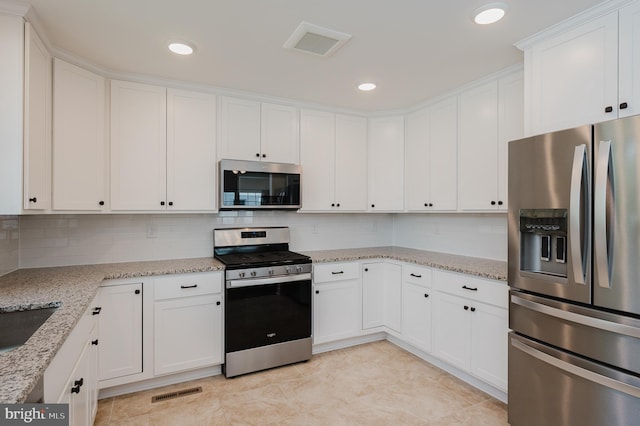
16 327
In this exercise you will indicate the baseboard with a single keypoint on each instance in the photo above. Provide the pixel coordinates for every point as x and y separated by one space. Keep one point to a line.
157 382
347 343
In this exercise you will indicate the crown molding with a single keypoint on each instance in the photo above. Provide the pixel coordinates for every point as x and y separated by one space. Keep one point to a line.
14 7
579 19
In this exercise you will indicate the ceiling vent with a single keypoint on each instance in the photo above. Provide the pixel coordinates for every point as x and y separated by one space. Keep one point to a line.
316 40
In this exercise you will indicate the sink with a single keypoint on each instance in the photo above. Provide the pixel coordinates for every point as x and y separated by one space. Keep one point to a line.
16 327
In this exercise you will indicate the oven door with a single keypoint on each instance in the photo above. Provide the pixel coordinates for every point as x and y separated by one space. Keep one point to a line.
261 312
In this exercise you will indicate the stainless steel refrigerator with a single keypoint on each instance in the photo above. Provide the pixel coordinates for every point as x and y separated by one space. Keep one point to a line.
574 273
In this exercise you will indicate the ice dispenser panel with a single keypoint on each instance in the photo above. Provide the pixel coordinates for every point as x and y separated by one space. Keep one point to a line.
543 241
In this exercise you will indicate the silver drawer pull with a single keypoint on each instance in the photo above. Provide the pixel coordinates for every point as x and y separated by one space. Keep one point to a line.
189 286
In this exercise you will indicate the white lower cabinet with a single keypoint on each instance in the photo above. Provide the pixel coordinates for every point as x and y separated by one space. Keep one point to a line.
417 299
335 301
187 322
381 296
471 324
120 330
72 376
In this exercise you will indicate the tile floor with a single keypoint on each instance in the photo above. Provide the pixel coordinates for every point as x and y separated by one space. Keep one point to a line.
373 384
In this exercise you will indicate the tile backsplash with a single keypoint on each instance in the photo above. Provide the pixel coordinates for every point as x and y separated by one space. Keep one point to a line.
9 243
59 240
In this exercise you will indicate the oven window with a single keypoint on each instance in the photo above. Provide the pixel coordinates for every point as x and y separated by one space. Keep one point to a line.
260 189
263 315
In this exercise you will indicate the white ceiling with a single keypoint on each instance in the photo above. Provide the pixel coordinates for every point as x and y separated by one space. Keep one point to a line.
413 49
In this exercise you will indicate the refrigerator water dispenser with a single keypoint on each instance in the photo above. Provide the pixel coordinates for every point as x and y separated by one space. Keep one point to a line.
543 241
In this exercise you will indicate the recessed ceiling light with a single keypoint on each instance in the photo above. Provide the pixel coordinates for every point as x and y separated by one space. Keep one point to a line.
489 13
181 48
366 87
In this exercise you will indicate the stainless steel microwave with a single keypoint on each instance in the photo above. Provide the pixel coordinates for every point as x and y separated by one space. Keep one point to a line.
252 185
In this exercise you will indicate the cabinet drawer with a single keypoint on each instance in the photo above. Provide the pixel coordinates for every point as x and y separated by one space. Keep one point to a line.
329 272
187 285
419 275
480 289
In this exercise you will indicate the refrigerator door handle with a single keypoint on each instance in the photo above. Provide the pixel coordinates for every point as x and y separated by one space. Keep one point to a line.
578 371
601 253
579 177
601 324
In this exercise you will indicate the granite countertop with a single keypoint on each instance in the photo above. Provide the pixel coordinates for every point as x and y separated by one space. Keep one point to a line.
73 288
485 268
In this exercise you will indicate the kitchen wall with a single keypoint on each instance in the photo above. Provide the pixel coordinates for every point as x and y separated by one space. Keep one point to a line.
58 240
476 235
9 243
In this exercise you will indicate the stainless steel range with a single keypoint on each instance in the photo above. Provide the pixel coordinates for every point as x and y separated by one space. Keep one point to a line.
267 299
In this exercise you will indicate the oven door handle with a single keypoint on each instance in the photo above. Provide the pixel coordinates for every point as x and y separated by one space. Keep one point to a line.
266 281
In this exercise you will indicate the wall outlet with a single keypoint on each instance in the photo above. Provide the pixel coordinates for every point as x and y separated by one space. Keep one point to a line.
152 230
316 229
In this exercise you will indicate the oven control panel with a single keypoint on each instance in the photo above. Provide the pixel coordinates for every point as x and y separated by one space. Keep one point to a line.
268 271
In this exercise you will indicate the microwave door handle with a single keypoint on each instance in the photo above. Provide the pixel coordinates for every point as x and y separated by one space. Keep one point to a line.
601 255
578 179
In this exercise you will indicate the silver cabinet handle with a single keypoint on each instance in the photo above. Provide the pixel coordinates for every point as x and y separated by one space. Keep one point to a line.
579 177
578 371
601 254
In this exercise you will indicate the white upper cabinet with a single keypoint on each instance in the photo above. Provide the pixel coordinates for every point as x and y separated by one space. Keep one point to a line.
629 60
478 148
386 163
431 176
491 115
333 158
162 149
79 143
138 146
572 76
250 130
37 123
191 151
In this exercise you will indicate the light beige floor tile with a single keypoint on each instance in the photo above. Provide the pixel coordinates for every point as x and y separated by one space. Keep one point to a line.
372 384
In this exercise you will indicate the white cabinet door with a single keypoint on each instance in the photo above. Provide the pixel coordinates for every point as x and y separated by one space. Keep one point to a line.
138 146
37 123
489 344
443 155
416 160
452 334
510 126
120 331
629 60
478 148
191 151
573 77
416 315
187 333
79 144
386 163
350 163
317 157
80 406
335 311
239 129
382 295
279 142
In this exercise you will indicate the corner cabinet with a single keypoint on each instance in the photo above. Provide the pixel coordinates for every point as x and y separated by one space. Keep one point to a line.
417 297
187 322
431 158
162 149
471 325
251 130
381 296
79 142
386 164
333 156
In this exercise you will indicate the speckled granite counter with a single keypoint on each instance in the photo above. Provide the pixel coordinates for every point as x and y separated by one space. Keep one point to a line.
73 287
486 268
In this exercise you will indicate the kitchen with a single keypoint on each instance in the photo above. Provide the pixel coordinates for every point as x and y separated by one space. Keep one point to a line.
60 236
